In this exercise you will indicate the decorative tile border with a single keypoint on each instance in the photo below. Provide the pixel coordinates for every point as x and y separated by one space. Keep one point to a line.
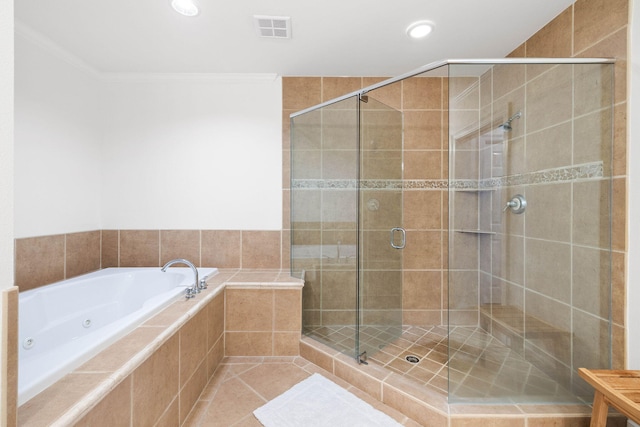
594 170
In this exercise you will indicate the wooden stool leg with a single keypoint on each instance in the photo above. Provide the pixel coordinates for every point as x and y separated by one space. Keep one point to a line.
600 411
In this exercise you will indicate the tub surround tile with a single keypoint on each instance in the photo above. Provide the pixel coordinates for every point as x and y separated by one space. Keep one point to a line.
155 383
39 261
221 248
193 345
9 356
113 410
139 248
82 253
110 248
188 336
261 249
191 390
56 400
115 356
65 256
180 244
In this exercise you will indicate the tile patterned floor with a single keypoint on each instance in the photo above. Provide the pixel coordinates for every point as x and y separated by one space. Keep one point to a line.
482 368
243 384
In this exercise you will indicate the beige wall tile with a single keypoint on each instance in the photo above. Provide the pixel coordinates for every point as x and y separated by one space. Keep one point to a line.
139 248
390 95
613 46
592 140
422 93
414 409
619 209
592 289
558 422
82 253
548 264
591 340
557 140
191 390
9 356
505 79
221 248
215 322
620 140
39 261
110 248
422 210
249 344
214 357
180 244
113 410
286 343
591 213
422 130
334 87
249 310
549 98
156 383
549 212
422 290
171 416
512 421
554 39
287 310
193 346
595 19
299 93
423 164
618 288
261 249
423 250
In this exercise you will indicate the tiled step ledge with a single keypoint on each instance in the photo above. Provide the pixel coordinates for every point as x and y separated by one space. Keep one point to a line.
431 408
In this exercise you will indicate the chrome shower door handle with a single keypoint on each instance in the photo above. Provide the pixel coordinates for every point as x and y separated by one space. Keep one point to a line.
403 236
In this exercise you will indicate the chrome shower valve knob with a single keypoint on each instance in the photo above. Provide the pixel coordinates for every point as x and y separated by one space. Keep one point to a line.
517 204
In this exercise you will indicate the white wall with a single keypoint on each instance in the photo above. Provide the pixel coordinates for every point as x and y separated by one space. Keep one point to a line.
193 152
6 179
142 152
57 150
633 186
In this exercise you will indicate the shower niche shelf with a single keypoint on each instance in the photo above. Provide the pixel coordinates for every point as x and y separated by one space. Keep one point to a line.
482 232
473 190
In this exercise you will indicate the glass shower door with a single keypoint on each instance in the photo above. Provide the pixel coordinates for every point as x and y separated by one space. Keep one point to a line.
346 220
381 236
530 230
324 221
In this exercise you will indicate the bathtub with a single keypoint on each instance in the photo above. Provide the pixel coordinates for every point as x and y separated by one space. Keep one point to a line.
63 325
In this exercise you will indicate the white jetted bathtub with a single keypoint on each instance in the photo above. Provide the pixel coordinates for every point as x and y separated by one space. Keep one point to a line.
63 325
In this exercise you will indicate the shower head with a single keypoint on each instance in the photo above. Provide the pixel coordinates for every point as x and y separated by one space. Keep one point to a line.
506 126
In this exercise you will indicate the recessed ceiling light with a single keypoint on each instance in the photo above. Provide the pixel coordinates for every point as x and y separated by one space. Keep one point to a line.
419 29
185 7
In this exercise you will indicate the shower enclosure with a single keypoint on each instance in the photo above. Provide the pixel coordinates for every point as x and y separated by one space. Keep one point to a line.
453 225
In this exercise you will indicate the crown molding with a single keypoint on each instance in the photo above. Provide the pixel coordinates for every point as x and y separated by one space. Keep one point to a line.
40 40
45 43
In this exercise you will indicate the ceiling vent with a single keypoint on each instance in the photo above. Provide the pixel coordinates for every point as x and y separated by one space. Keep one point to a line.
273 27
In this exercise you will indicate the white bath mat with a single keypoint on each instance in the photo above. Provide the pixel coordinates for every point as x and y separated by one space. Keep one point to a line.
318 402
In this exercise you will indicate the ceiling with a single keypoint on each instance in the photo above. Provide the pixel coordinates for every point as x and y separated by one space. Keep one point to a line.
329 37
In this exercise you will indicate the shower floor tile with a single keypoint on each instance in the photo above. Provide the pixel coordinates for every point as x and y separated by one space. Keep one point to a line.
479 366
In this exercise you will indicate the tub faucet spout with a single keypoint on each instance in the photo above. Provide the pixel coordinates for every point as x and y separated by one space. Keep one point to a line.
192 291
